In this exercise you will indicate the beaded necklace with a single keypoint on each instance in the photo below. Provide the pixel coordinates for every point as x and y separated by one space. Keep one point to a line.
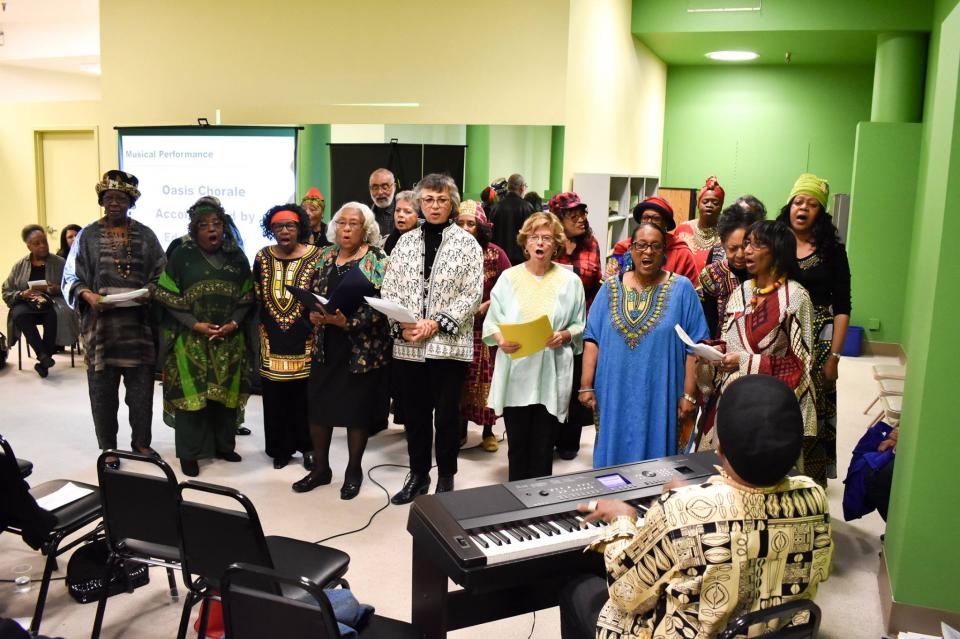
759 294
705 238
120 240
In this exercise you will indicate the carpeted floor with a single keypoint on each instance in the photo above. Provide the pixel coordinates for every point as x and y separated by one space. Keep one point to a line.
48 421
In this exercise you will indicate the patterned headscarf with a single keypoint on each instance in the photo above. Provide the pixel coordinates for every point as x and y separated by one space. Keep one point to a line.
712 185
115 180
475 209
315 197
810 184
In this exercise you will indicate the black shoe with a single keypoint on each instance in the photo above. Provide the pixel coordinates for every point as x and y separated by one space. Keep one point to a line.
47 361
444 484
230 456
41 369
190 467
350 488
415 485
308 460
281 462
313 480
243 430
568 454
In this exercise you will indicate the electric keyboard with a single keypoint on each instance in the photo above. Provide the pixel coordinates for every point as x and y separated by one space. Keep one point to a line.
512 546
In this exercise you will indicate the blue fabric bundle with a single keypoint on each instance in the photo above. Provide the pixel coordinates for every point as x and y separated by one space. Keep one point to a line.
865 457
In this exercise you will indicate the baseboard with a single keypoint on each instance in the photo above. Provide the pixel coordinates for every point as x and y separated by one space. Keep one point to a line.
900 617
885 349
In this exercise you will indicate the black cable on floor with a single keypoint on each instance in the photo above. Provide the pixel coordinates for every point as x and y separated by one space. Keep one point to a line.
534 625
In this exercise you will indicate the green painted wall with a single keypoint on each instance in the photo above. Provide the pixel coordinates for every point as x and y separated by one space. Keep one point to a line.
757 128
477 165
314 161
557 137
886 161
524 150
921 551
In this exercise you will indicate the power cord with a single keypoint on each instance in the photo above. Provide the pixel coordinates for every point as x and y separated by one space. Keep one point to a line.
533 625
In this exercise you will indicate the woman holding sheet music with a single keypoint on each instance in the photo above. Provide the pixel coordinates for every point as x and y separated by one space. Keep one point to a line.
285 332
533 392
767 327
348 378
637 374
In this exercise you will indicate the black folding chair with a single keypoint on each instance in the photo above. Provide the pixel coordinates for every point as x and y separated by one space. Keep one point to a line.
254 606
71 518
212 538
805 611
139 517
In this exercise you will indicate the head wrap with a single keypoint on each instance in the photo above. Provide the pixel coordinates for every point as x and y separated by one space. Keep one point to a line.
206 204
488 196
711 185
659 205
563 202
284 215
760 428
810 184
115 180
474 208
314 196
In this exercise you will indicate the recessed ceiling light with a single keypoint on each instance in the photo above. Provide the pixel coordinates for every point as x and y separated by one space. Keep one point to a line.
92 69
732 56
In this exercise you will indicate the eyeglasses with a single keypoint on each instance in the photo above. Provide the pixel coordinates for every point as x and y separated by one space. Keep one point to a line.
434 201
546 239
353 224
651 218
206 226
640 247
279 226
753 244
386 186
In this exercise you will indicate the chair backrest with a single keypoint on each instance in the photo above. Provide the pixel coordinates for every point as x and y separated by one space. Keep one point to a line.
780 616
253 607
213 538
138 507
7 457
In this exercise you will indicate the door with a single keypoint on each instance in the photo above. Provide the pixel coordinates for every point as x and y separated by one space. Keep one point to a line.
68 167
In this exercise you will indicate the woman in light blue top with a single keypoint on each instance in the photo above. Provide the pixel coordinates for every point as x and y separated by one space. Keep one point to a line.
533 393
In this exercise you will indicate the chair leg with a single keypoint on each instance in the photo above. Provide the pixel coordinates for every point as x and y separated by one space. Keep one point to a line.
20 354
172 580
102 602
188 605
48 569
72 346
872 404
204 617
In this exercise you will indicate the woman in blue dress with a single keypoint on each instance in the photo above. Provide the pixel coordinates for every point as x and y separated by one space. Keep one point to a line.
637 374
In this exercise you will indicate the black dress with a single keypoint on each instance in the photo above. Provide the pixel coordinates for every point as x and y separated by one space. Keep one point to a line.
337 396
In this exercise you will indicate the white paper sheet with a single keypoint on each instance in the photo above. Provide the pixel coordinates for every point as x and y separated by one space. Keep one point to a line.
391 309
66 494
321 299
700 350
121 300
40 284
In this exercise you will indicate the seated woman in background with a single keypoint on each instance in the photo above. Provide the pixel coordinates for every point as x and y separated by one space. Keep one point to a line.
767 327
67 235
473 401
655 210
637 374
533 392
348 377
720 278
405 218
284 331
208 292
41 305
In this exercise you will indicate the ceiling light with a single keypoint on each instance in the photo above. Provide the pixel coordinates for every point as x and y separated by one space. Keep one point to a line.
92 69
732 56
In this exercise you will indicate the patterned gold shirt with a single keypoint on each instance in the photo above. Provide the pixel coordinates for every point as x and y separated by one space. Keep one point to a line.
707 554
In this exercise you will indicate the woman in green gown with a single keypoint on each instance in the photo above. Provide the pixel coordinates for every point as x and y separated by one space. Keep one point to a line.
207 291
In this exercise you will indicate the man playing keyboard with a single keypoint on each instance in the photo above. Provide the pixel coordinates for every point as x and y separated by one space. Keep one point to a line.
748 538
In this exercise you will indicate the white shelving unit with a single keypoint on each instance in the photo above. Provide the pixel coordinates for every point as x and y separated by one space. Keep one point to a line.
610 200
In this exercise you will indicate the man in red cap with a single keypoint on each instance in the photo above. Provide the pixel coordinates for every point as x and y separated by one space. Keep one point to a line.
655 210
701 234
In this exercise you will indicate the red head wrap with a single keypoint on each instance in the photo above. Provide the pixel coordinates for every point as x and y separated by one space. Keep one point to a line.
285 215
712 185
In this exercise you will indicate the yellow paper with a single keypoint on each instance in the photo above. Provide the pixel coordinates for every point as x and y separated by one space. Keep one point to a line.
532 336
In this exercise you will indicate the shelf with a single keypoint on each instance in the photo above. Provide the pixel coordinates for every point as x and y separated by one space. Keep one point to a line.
617 218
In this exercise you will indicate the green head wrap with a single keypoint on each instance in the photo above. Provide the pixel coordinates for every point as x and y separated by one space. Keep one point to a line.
810 184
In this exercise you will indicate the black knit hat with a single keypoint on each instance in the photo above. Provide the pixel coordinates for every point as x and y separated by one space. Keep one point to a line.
760 428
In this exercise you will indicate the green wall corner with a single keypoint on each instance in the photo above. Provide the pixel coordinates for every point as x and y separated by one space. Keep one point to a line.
314 161
882 203
477 163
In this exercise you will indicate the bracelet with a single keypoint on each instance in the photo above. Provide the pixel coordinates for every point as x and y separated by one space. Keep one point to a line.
690 398
837 355
586 390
